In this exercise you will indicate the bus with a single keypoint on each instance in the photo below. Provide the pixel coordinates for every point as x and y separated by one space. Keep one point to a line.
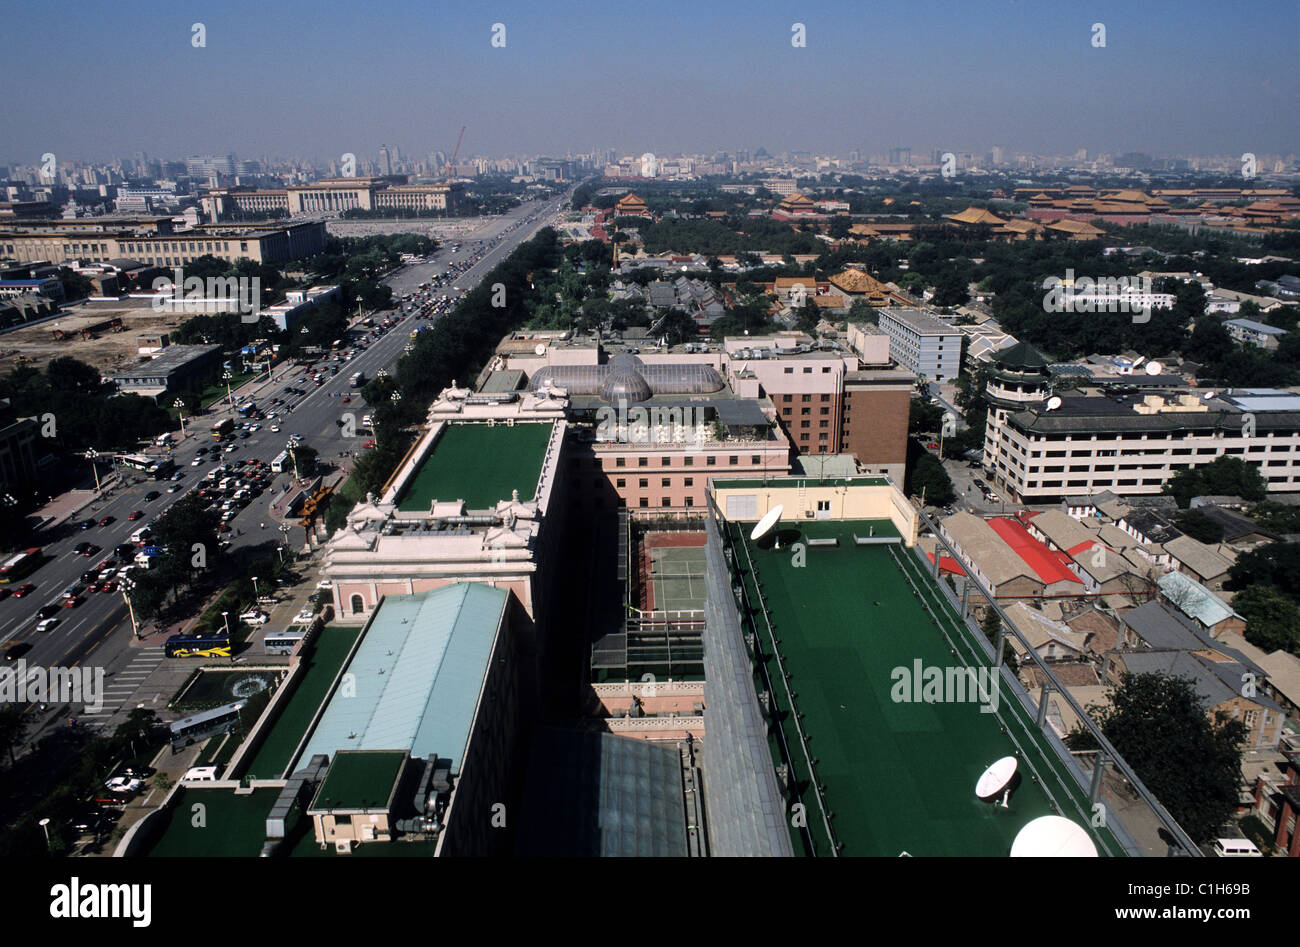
209 723
248 410
284 642
222 428
280 463
23 564
156 467
215 645
358 380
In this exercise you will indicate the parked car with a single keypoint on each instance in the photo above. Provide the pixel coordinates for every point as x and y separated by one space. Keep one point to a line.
254 617
125 785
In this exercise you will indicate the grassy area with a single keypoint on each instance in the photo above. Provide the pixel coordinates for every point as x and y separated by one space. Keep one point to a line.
232 826
480 465
217 390
272 758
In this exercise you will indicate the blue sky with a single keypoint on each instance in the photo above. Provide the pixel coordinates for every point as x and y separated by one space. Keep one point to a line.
293 78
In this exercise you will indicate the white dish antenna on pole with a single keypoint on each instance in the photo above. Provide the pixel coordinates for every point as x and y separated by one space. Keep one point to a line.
767 523
1054 402
1154 368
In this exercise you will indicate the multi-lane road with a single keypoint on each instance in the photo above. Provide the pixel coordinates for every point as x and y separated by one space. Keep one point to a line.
97 632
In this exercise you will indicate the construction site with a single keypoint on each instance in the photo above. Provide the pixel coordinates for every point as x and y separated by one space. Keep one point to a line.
100 333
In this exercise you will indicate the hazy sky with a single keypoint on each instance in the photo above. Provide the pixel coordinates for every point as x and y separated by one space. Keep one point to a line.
90 80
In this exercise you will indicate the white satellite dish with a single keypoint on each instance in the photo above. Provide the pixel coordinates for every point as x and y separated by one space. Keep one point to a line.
1141 359
767 523
997 779
1053 836
1154 368
1054 402
540 348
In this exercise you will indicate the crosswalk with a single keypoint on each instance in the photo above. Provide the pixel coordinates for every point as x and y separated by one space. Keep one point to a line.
126 683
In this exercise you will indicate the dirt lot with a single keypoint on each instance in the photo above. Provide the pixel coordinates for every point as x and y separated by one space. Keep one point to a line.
109 351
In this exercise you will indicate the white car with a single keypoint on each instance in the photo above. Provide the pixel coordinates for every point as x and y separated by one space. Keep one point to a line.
254 618
123 784
196 462
46 624
305 616
275 429
324 584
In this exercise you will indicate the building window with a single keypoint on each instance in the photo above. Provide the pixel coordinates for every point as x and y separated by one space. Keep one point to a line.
667 461
358 605
645 503
710 461
643 461
689 482
620 482
690 501
733 460
665 501
620 462
643 482
666 482
690 461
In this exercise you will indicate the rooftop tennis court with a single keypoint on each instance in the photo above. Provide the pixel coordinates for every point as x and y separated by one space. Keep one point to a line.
676 578
479 464
897 776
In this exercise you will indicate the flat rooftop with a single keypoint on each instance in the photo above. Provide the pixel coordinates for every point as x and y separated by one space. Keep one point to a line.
480 464
359 781
234 825
898 776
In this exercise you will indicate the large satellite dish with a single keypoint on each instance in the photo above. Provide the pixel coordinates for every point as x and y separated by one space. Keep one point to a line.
1053 836
997 778
767 523
1054 402
1154 368
540 348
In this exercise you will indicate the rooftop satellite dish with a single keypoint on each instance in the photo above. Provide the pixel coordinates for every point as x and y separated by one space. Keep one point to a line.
540 348
1054 402
1053 836
1141 359
767 523
1154 368
997 779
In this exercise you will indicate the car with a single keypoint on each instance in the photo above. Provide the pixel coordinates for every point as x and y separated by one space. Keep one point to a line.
933 445
80 548
325 584
123 785
178 475
137 771
105 521
151 496
135 515
46 624
48 610
254 617
73 601
174 488
223 528
5 592
91 550
196 462
16 649
124 550
25 589
86 524
90 577
304 616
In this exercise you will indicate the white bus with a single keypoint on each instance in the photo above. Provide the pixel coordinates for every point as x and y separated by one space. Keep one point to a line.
281 462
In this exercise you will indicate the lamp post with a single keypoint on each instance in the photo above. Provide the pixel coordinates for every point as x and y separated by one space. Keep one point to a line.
127 585
91 456
230 397
179 405
225 617
358 307
254 589
284 539
45 827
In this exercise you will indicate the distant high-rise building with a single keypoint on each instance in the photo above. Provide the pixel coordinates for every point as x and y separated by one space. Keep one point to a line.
385 160
899 157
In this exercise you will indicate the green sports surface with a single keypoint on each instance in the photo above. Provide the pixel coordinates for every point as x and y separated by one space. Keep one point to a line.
231 826
898 776
480 465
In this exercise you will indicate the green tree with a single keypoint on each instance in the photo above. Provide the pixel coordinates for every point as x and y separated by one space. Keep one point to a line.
1225 476
1272 618
1277 564
304 460
1199 526
1162 727
929 478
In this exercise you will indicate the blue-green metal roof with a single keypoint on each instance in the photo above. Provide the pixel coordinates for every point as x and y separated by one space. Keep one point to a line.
416 675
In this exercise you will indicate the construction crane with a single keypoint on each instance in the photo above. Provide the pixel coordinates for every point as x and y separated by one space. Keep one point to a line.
452 163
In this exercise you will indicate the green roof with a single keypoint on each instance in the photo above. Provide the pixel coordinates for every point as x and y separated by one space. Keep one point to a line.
898 775
1022 356
359 780
480 464
418 673
232 825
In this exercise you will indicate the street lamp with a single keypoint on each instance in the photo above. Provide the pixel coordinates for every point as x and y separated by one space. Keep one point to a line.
179 405
226 376
92 455
255 599
127 585
225 616
45 826
358 307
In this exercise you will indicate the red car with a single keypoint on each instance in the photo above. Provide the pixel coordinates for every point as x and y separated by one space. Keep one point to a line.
135 515
933 445
22 590
223 528
91 550
73 601
106 520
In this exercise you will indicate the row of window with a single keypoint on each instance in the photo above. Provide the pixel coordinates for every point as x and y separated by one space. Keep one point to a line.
709 461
